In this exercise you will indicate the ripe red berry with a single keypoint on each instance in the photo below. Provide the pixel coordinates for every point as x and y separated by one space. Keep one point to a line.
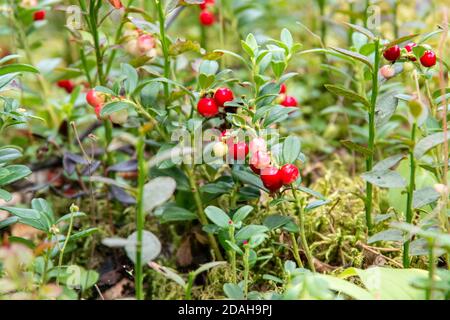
66 85
116 4
207 107
283 88
271 178
207 18
289 101
409 48
223 95
39 15
392 53
255 169
206 4
95 99
238 151
289 173
428 59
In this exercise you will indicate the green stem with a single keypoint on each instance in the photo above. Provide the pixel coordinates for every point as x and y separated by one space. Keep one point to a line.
140 216
305 246
295 249
164 45
431 267
200 212
246 268
232 254
66 241
409 200
190 284
371 144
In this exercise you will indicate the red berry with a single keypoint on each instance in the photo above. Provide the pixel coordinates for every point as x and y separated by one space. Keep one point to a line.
238 151
409 48
95 99
289 173
289 101
206 4
116 4
271 178
223 95
207 107
283 88
66 85
207 18
428 59
392 53
255 169
39 15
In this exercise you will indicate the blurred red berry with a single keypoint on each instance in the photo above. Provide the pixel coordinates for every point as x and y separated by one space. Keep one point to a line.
95 99
409 48
392 53
254 169
207 3
289 173
207 18
116 4
283 88
289 101
238 151
271 178
207 107
66 85
39 15
222 96
428 59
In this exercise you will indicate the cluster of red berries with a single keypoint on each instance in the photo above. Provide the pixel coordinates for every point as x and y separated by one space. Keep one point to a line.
393 53
206 17
209 107
286 100
39 15
272 177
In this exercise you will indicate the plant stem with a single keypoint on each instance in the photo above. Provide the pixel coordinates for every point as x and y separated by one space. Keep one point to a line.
371 144
189 285
409 200
431 266
200 212
246 269
164 45
63 249
142 174
305 246
295 249
232 254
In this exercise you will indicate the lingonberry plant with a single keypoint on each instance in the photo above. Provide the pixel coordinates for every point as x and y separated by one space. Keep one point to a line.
205 153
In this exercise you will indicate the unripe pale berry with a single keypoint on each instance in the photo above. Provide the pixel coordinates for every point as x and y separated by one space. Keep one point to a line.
258 144
260 160
387 71
220 149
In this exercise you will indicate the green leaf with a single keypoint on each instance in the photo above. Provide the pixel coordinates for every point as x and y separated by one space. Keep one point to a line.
83 234
248 178
209 67
346 287
207 266
151 247
15 173
169 273
8 154
234 246
233 291
17 67
401 40
387 235
5 195
286 38
275 221
385 108
384 178
8 221
354 55
115 106
182 46
249 231
173 213
7 78
157 192
425 196
217 216
428 143
346 93
69 215
356 147
242 213
291 149
131 75
388 163
361 29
